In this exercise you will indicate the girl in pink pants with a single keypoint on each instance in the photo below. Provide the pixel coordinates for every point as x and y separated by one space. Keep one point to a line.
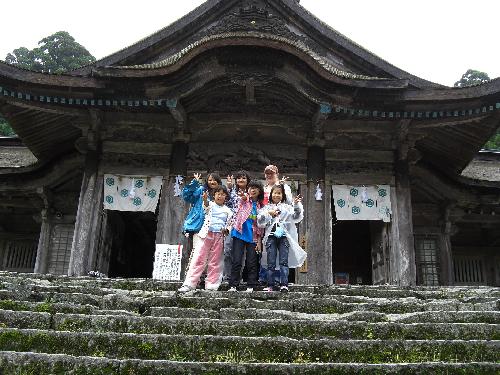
209 252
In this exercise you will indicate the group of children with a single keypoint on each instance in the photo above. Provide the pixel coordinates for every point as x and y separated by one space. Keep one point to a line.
245 221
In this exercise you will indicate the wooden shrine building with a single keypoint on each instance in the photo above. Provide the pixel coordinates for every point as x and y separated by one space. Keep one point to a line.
239 84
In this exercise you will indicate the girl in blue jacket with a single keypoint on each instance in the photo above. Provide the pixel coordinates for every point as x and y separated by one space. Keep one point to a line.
193 194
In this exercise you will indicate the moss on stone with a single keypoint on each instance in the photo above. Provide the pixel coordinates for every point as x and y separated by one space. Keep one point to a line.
8 304
45 307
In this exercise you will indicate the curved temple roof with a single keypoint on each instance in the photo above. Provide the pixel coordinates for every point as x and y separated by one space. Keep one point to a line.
50 111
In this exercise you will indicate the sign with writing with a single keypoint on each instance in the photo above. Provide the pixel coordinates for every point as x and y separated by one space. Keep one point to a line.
167 262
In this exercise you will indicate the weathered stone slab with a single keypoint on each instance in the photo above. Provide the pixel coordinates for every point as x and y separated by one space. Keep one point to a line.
41 363
246 349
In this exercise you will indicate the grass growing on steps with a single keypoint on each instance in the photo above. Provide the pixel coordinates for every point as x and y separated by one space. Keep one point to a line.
247 349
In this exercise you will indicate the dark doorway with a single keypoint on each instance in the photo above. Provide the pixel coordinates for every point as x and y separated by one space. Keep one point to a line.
133 244
351 250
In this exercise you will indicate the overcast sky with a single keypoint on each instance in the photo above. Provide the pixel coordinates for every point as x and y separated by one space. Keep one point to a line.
434 39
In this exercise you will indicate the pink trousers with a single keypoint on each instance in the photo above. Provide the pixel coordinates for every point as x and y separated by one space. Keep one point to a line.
208 253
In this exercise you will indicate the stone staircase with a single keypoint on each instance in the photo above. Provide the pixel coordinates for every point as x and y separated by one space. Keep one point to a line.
64 325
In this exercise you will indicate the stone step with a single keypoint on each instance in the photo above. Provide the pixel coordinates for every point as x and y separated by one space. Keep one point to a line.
94 292
344 330
380 291
246 349
135 302
491 317
291 328
40 363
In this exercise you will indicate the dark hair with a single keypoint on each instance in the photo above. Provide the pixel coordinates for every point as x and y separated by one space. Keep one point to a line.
223 189
257 184
278 186
217 178
242 173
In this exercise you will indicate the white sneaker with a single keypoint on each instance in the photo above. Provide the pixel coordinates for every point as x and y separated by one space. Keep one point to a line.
249 290
269 289
185 288
232 289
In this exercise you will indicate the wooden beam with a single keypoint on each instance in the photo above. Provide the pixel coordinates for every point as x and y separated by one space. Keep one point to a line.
136 148
369 156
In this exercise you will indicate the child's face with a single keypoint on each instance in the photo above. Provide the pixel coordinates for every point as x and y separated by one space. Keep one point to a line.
241 182
277 196
212 183
253 192
220 197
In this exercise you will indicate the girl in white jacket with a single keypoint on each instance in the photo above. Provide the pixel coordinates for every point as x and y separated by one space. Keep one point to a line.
275 218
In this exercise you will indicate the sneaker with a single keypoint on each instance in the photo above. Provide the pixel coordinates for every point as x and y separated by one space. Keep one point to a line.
269 289
232 289
249 290
284 289
185 288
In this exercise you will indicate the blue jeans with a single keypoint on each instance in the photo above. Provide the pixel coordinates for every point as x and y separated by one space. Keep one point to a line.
274 246
263 275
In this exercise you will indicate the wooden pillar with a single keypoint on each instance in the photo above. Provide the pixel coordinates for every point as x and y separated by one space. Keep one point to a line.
42 251
173 209
445 253
88 219
317 224
402 256
402 247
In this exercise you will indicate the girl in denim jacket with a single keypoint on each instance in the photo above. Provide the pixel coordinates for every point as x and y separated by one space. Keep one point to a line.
277 240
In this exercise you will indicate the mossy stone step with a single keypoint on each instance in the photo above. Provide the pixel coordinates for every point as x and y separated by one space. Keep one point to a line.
246 349
138 302
492 317
118 321
381 291
13 363
258 327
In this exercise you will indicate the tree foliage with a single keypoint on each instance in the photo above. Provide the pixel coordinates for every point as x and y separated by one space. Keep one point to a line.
5 129
494 142
472 77
475 77
57 53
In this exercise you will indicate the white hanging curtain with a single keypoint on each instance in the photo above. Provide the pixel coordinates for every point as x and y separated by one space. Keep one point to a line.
362 202
131 193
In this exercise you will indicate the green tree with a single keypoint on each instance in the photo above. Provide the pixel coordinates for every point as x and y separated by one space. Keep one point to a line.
494 142
57 53
5 129
472 77
475 77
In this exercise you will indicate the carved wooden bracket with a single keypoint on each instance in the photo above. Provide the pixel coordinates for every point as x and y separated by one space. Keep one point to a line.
317 136
91 134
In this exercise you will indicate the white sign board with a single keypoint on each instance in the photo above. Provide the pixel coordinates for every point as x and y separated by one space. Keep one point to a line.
167 263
